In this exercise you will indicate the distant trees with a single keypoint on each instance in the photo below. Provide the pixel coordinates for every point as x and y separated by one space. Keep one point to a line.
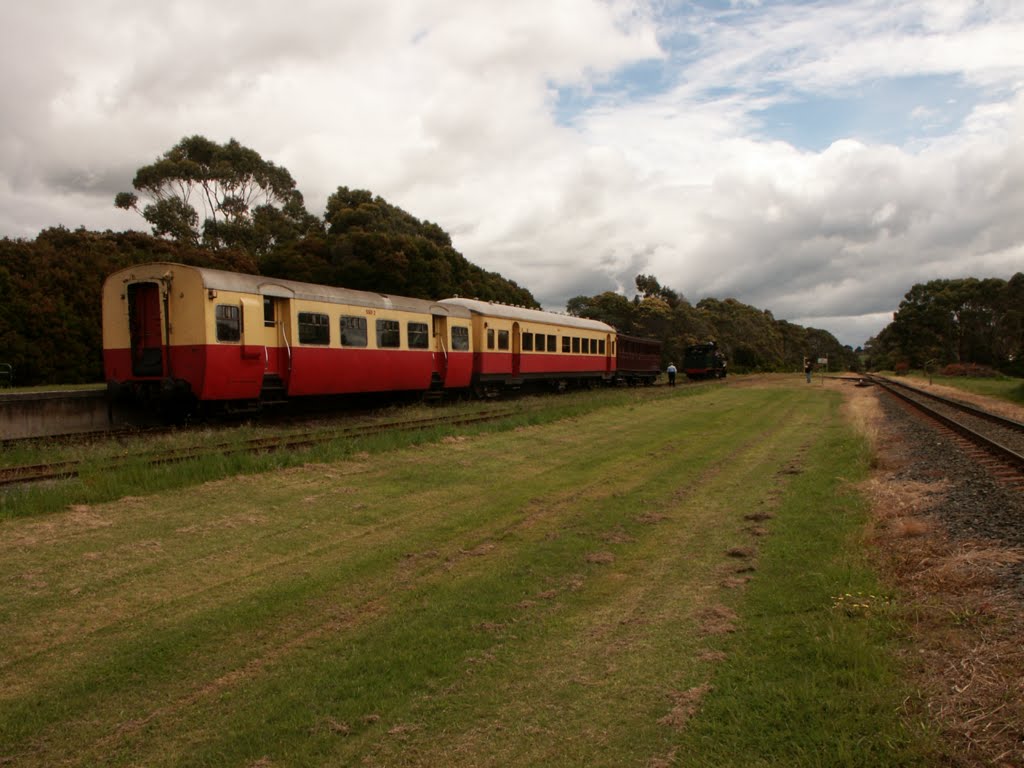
751 338
965 320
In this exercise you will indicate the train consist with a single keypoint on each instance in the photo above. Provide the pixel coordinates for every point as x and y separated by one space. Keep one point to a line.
704 361
188 336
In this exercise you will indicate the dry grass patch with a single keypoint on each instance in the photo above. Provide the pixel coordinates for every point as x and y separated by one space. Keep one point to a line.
618 537
735 582
684 706
741 553
717 620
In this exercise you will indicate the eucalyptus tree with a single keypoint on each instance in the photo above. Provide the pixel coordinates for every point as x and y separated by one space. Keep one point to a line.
218 195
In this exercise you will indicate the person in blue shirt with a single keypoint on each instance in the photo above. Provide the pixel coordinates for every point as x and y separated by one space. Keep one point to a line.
671 374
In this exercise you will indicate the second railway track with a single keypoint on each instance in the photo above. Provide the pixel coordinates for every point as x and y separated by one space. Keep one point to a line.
62 470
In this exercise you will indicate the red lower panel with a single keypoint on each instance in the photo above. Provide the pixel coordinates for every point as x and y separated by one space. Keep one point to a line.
501 364
222 372
117 364
335 372
459 370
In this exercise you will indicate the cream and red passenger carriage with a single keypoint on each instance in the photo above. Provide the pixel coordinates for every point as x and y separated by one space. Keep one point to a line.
233 338
196 335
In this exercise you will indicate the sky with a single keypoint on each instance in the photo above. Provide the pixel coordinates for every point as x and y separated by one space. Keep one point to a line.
814 159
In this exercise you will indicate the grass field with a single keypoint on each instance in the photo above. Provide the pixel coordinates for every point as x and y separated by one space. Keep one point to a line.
1000 387
670 581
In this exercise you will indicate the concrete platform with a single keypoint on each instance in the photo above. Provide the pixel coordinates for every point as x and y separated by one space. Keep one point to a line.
43 414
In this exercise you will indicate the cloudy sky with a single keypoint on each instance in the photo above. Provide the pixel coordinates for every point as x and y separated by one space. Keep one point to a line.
815 159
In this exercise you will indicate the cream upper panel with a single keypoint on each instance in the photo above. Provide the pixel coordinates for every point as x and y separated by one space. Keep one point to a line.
564 324
182 295
193 293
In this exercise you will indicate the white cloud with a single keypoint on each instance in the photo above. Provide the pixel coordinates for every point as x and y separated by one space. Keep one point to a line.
449 108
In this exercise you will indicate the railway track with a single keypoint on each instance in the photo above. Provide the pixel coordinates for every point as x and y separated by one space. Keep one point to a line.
63 470
999 441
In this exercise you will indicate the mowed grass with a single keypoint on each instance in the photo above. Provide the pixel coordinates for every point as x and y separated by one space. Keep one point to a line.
650 584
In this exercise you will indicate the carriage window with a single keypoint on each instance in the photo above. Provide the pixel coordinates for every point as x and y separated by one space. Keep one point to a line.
527 342
490 338
586 346
552 343
502 339
460 338
268 312
600 347
418 338
389 333
353 331
229 322
566 344
314 328
575 344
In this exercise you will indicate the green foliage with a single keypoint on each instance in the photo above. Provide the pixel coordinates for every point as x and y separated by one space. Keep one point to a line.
609 307
961 321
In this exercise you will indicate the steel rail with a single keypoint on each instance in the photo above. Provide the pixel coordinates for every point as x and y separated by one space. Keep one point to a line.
995 418
902 391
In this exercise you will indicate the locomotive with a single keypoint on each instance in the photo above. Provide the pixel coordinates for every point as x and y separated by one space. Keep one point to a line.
704 361
182 336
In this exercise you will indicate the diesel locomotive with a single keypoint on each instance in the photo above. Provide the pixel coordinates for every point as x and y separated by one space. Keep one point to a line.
192 336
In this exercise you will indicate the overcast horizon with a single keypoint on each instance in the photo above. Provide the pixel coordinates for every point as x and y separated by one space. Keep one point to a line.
812 159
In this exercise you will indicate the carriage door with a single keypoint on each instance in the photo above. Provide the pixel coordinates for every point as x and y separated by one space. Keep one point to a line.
517 350
275 329
608 354
271 334
145 329
441 347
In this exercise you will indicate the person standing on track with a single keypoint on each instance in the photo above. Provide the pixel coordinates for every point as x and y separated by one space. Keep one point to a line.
671 370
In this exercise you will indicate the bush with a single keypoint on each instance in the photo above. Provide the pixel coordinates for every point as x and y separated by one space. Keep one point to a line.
969 369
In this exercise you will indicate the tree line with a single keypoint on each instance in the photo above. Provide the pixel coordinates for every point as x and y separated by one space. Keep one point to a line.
752 339
224 206
966 322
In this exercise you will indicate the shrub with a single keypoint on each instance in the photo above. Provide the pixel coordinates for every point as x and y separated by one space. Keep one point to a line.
969 369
